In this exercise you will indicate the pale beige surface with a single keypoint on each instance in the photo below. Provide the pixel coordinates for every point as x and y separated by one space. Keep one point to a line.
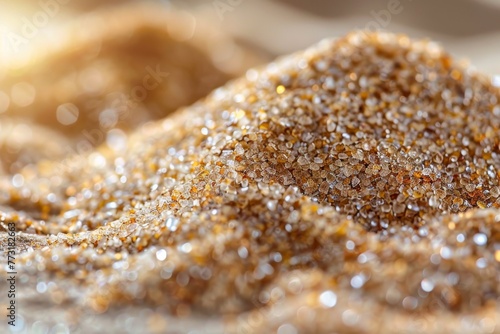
133 216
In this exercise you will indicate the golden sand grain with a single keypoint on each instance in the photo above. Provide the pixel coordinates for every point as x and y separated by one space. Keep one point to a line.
351 187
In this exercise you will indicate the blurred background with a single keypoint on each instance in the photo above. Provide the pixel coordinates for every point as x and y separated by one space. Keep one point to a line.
73 72
467 28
